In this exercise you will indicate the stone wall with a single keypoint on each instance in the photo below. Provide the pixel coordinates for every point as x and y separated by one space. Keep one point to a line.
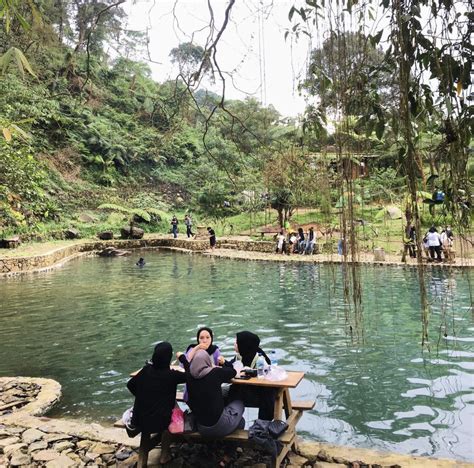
28 439
18 265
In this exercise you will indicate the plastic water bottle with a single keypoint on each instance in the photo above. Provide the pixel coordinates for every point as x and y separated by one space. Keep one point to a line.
273 358
260 366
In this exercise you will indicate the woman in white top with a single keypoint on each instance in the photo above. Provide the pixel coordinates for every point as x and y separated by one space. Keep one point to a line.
434 243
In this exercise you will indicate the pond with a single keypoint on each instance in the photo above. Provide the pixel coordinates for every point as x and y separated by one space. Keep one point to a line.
91 322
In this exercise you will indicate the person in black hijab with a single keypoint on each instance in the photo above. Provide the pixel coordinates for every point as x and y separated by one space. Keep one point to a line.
247 347
215 419
154 388
205 341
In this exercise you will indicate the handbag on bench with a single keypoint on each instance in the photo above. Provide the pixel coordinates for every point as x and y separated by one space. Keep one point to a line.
277 427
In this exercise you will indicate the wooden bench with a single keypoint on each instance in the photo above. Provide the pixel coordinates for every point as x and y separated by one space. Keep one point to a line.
288 439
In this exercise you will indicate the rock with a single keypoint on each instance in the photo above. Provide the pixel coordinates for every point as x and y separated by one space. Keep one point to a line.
107 457
9 449
105 235
84 444
55 437
61 462
124 453
129 462
19 458
101 448
324 456
40 445
4 434
63 445
8 441
131 233
138 219
89 456
321 464
113 252
32 435
45 455
15 430
10 243
71 234
340 460
154 457
86 218
296 460
76 458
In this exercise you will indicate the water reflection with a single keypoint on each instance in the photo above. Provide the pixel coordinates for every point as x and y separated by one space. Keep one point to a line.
91 322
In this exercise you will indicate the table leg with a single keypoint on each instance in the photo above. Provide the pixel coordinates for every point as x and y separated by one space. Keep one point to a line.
277 413
287 403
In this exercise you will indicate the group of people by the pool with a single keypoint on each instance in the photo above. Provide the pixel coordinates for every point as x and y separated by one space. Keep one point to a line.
205 370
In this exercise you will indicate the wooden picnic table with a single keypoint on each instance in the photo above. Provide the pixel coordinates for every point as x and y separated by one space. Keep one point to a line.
283 403
292 410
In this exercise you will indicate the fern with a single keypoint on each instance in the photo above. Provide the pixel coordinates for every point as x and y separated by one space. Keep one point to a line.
21 62
112 206
142 213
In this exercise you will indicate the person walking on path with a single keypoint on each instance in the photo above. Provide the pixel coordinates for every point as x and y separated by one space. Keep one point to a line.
212 238
189 224
174 226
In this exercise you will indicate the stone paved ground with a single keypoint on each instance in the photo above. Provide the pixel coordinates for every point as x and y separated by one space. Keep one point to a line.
27 440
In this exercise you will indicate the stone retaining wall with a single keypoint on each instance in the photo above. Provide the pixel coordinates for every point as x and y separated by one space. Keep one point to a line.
18 265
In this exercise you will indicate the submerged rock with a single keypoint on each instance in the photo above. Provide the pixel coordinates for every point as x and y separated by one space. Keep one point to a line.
113 252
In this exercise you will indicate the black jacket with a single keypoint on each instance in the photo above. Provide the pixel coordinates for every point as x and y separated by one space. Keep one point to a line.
205 395
155 396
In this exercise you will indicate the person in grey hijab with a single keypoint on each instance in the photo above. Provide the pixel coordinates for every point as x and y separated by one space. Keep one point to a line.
214 419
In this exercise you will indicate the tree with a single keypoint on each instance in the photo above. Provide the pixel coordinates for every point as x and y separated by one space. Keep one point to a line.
350 77
188 56
291 180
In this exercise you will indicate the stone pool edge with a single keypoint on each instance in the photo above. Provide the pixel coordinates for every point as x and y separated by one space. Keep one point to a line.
27 436
227 248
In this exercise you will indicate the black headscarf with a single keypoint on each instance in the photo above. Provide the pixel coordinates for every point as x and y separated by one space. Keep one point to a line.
249 345
212 347
162 355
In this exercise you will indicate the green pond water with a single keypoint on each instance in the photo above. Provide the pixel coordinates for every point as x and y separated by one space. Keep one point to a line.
91 322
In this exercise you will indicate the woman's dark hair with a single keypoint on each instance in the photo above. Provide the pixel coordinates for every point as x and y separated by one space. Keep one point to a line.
212 347
205 329
162 355
249 345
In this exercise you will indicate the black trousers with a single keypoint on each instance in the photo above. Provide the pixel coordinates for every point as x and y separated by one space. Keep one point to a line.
436 249
255 397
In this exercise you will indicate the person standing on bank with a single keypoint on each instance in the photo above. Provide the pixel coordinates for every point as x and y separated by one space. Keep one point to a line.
203 381
189 224
174 226
212 238
434 243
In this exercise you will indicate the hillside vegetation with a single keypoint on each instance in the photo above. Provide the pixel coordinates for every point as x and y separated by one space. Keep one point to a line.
81 129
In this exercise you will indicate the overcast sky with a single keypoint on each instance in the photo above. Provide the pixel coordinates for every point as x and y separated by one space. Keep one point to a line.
252 50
